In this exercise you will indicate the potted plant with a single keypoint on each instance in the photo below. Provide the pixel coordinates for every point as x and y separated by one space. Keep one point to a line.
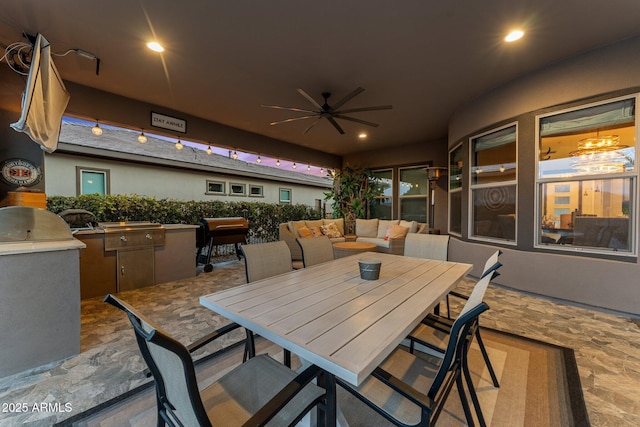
353 189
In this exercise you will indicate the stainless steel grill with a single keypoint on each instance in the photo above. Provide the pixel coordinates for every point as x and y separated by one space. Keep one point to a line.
25 223
123 235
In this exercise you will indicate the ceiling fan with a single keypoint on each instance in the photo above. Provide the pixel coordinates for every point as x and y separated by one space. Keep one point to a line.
329 112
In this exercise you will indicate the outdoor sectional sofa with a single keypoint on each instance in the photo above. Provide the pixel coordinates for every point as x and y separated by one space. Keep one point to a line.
367 230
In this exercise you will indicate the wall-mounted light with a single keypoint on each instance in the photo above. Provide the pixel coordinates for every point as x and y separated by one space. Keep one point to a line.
96 130
179 145
209 150
142 138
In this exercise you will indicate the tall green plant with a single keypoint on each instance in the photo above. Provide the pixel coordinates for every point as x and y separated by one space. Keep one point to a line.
353 189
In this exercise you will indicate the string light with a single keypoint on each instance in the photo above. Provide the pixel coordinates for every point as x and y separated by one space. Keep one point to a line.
96 130
235 156
258 160
179 145
278 163
308 168
209 150
321 170
142 138
294 165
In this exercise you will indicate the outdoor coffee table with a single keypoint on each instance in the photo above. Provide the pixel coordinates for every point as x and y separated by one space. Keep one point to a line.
344 249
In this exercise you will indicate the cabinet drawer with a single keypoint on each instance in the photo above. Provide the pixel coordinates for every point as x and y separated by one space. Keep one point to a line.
133 239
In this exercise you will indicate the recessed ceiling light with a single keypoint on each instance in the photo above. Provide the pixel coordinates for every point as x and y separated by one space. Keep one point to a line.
514 35
155 46
362 135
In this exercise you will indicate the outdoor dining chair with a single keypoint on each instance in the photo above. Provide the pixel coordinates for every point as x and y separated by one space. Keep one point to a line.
258 391
409 390
430 246
315 250
264 260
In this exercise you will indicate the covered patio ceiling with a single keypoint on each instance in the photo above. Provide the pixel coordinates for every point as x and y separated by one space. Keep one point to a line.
223 60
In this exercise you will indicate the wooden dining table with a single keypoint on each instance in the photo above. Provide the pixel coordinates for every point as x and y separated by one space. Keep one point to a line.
330 317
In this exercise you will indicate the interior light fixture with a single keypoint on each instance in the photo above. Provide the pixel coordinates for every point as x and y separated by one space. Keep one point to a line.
235 156
294 165
514 35
258 160
362 135
96 130
155 46
142 138
278 163
179 145
209 150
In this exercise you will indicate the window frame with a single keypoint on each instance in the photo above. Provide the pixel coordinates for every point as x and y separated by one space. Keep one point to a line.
632 175
393 190
475 186
239 184
79 180
286 202
252 186
425 196
217 193
459 146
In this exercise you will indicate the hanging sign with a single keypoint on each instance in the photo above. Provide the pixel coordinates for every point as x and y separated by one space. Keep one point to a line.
20 172
166 122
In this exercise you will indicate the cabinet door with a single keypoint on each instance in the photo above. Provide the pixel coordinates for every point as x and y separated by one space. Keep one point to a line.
135 268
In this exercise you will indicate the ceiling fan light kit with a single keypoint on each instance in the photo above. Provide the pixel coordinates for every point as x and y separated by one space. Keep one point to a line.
329 112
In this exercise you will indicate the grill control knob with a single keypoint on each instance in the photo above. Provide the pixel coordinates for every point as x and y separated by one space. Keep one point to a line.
149 237
123 238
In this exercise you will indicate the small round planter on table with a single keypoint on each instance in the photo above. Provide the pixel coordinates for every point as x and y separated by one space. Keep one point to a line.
344 249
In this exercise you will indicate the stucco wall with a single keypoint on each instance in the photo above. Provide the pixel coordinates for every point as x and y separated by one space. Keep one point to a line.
600 74
160 182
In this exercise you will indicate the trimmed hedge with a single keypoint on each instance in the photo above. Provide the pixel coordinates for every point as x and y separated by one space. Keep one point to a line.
263 218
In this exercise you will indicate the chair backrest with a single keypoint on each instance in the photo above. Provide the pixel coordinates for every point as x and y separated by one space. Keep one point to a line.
315 250
172 368
431 246
492 264
264 260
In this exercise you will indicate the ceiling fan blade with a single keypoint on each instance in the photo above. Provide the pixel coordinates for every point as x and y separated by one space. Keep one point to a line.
292 119
312 124
301 110
355 110
340 116
349 96
310 99
335 125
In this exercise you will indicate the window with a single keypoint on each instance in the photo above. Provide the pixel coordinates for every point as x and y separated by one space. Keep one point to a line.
236 189
494 184
256 191
413 192
285 196
382 206
587 178
455 190
92 181
215 187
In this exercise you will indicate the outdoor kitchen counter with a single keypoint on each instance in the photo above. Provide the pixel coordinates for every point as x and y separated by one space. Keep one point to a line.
27 247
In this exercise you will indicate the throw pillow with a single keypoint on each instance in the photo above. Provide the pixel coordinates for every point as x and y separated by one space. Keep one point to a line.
339 222
411 225
367 227
331 231
316 231
305 232
383 226
397 232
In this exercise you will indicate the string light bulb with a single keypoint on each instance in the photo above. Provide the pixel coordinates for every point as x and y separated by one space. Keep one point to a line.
96 130
209 150
258 160
308 168
321 170
294 165
278 163
179 145
142 138
235 156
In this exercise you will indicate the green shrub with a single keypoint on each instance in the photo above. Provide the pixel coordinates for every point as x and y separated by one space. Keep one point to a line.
263 218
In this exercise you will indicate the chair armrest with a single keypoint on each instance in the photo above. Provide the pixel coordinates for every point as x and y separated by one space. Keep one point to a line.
396 246
290 239
279 401
458 294
212 336
405 390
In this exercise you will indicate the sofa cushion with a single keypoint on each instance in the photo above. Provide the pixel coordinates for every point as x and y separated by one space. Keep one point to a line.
411 225
295 225
331 230
396 232
314 223
339 222
367 227
383 227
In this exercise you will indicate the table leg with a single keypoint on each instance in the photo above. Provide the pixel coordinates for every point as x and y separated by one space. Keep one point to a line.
333 414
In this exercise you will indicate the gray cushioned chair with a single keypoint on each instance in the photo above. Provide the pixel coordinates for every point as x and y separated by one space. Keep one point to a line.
258 392
430 246
264 260
315 250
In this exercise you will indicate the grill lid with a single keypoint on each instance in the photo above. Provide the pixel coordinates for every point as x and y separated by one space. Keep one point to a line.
25 223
